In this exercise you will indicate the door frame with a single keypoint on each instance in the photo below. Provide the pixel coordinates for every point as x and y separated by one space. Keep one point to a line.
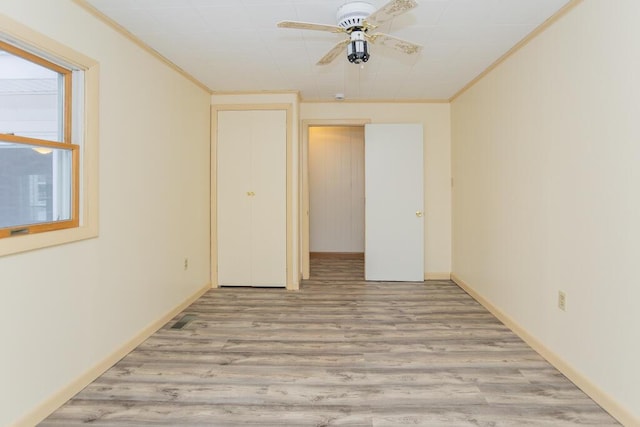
304 181
288 108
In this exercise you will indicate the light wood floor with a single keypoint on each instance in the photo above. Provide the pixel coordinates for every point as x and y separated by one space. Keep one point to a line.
340 352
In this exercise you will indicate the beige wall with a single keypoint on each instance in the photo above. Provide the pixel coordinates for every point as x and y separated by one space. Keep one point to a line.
546 159
66 308
435 119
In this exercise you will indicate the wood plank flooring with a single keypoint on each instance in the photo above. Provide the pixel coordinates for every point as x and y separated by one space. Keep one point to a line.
339 352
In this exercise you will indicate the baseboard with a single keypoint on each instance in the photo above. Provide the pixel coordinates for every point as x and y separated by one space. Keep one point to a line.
47 407
608 403
339 255
437 276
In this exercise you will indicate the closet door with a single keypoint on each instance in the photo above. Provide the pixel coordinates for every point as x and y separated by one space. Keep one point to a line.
251 201
269 205
233 203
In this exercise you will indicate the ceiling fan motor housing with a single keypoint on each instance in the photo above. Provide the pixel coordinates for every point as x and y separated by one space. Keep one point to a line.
353 14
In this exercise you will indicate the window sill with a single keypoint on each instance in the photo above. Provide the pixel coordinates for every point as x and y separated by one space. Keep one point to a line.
29 242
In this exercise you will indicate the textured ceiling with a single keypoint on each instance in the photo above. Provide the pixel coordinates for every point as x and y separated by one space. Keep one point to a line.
234 45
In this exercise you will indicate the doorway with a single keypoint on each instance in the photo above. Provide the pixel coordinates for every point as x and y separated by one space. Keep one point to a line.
393 181
336 202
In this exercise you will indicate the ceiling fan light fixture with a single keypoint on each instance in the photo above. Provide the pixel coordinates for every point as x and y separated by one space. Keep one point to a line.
357 52
357 49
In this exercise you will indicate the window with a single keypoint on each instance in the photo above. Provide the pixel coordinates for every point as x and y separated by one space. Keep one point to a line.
39 161
58 194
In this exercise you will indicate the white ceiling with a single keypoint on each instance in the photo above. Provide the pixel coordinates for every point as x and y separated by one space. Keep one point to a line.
234 45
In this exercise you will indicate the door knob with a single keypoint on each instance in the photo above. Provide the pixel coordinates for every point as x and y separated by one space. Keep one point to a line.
250 193
418 214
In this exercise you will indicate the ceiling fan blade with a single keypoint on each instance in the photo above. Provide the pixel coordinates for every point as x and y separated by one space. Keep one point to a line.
333 53
391 10
395 43
310 26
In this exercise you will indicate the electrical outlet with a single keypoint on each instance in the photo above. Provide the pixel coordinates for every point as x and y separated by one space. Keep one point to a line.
186 263
562 301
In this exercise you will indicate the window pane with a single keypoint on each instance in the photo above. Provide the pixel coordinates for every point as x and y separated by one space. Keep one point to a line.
35 184
31 99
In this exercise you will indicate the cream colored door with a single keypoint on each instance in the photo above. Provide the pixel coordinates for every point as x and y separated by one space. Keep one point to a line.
234 182
269 204
251 198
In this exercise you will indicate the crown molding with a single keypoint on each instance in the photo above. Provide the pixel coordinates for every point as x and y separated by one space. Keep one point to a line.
522 43
126 33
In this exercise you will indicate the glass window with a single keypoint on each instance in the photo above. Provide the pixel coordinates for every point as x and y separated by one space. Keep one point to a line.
38 163
35 184
32 101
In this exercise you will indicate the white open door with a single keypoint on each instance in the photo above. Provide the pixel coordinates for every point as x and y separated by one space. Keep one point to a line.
394 198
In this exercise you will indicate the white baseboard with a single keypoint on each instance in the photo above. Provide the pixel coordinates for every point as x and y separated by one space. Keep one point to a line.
48 406
608 403
437 276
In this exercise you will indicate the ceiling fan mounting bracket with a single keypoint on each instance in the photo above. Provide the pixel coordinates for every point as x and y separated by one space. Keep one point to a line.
356 29
353 14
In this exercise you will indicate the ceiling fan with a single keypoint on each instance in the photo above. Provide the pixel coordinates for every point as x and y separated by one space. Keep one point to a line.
359 19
